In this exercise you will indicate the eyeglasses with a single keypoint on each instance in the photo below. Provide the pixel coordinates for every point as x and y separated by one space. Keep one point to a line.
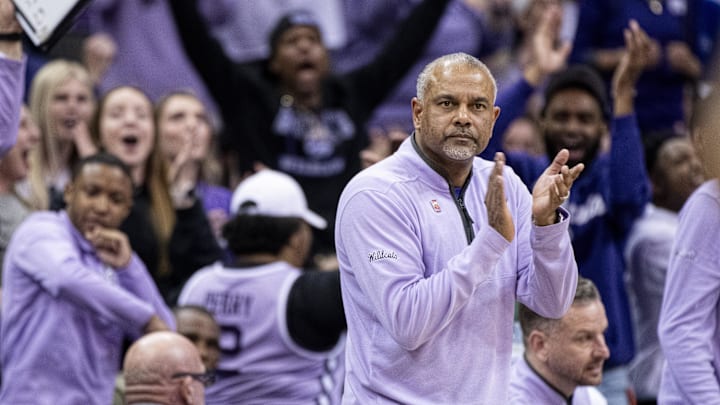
206 379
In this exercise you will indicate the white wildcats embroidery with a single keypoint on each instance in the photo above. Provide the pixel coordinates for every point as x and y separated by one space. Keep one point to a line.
382 254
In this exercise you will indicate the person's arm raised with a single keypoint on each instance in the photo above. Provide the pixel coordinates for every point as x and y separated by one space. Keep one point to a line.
10 31
633 62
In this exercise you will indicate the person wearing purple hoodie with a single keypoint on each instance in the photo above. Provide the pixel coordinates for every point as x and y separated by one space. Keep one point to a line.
73 291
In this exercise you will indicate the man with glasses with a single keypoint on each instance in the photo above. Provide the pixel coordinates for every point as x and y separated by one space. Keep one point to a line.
165 368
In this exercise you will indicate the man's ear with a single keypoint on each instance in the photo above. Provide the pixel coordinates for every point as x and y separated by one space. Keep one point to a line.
187 390
417 110
537 342
68 193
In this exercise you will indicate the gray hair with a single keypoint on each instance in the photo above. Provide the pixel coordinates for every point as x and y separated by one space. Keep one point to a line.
425 79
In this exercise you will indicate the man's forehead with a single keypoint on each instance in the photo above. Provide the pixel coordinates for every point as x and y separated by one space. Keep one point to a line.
576 98
195 320
586 315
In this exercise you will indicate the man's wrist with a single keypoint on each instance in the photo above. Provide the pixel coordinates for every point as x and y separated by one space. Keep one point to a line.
551 220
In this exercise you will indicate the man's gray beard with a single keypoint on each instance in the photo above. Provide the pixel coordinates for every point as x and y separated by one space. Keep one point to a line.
458 153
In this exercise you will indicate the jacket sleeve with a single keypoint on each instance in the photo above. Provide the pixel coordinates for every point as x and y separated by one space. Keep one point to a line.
628 181
136 279
50 258
547 271
12 84
192 246
689 315
217 70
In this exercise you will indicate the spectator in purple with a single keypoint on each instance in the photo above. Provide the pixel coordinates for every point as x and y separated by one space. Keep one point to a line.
73 290
675 172
674 63
611 193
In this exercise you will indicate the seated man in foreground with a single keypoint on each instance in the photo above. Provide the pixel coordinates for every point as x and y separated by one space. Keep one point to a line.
563 357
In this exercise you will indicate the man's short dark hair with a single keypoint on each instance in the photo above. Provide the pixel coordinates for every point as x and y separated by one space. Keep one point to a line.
580 77
585 292
249 234
102 158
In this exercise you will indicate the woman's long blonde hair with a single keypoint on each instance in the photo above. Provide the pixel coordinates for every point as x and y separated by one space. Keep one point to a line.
156 180
44 86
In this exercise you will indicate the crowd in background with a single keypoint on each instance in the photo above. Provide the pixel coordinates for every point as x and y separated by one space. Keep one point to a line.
194 97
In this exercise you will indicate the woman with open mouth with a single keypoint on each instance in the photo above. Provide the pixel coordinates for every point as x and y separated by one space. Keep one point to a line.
167 226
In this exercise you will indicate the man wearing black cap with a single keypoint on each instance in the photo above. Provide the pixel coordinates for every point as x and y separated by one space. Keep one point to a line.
289 112
612 191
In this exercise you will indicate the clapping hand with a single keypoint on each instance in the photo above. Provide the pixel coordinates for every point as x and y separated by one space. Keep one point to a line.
498 213
553 188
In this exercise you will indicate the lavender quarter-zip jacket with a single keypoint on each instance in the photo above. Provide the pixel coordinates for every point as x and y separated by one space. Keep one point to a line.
65 314
430 314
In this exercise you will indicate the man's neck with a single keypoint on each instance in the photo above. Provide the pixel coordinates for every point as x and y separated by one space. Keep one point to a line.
565 390
255 259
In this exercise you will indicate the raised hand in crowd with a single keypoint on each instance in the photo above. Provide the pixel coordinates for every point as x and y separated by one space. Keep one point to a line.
548 54
636 57
99 52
